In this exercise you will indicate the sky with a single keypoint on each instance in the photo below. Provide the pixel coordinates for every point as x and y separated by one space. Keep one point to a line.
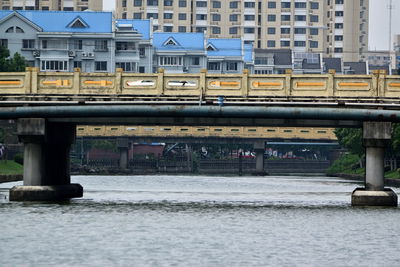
378 22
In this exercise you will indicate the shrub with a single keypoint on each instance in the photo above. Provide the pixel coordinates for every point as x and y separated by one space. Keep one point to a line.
19 158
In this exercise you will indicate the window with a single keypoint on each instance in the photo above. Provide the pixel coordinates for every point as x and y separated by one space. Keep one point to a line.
101 45
300 5
285 4
216 17
216 30
100 65
314 31
137 15
54 65
168 15
271 31
338 25
182 29
271 43
339 2
54 44
152 2
201 4
271 17
4 43
271 4
233 17
201 29
64 9
264 61
234 4
248 30
233 30
123 3
339 13
77 44
10 30
338 37
195 61
285 30
300 18
170 61
214 66
201 16
299 30
45 8
285 17
182 3
152 15
126 66
313 44
285 43
142 52
168 28
338 50
313 18
314 5
249 17
168 3
216 4
125 46
249 4
182 16
78 64
137 3
299 43
232 66
28 44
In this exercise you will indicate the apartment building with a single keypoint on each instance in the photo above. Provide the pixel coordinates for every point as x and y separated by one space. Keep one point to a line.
63 5
336 28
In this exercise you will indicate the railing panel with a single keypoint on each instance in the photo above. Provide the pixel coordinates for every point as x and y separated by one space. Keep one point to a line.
139 84
392 86
224 85
182 85
267 85
355 86
309 85
55 83
14 82
98 84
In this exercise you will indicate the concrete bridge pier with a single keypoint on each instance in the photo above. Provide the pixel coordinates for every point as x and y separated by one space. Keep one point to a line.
46 161
259 148
376 136
123 148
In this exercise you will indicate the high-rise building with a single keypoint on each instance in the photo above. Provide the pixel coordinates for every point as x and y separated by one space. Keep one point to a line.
337 28
65 5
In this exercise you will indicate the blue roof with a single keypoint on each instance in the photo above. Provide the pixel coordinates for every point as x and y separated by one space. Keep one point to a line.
60 21
248 53
225 47
142 26
185 41
4 13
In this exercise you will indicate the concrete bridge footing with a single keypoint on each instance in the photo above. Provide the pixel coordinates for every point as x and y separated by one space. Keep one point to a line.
376 136
46 161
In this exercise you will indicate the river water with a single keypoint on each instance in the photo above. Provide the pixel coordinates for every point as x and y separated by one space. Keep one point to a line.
200 221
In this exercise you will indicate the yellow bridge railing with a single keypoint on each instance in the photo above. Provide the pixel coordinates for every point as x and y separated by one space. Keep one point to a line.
202 85
201 132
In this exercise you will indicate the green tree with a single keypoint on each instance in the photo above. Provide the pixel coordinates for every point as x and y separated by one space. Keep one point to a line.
350 139
8 64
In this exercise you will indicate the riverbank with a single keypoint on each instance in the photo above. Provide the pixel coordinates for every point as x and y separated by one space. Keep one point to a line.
358 177
10 171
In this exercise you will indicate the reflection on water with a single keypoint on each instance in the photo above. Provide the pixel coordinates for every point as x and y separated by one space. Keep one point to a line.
200 221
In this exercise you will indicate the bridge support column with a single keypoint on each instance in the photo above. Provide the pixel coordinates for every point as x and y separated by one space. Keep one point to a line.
376 136
259 148
46 162
123 147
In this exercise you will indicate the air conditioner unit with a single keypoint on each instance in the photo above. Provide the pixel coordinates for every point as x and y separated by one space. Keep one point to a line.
90 55
84 54
71 53
36 53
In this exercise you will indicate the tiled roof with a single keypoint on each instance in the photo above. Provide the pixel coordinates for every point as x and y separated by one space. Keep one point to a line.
142 26
185 41
60 21
225 47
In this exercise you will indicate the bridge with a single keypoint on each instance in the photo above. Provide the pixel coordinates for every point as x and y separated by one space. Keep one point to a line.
48 107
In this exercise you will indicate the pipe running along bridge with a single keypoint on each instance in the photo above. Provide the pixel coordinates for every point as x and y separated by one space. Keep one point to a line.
48 106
